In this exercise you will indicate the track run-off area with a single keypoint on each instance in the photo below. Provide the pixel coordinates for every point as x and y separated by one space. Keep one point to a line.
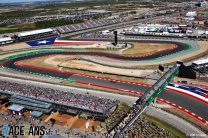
189 104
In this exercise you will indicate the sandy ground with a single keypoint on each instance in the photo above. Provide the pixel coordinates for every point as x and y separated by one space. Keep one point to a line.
80 64
95 45
53 61
140 49
72 121
14 46
65 120
100 68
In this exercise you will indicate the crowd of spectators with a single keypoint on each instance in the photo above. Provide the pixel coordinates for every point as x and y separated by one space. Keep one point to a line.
142 128
88 25
75 100
126 118
116 116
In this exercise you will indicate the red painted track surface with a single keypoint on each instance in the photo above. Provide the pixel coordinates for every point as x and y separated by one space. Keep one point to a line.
83 38
73 43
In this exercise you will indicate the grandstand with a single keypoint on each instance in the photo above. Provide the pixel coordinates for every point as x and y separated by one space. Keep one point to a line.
6 40
200 66
36 34
87 25
31 103
46 100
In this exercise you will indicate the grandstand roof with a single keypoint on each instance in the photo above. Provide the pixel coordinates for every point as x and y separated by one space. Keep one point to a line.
4 39
201 61
36 113
15 107
34 32
191 14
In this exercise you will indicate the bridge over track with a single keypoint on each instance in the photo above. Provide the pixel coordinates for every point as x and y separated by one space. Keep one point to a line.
143 102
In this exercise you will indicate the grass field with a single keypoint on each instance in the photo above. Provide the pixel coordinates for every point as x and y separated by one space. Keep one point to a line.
6 29
17 27
38 25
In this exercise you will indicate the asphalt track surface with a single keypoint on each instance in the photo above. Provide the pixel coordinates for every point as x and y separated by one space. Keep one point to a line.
193 105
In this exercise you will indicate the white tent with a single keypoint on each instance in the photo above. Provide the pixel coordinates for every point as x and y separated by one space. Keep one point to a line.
191 14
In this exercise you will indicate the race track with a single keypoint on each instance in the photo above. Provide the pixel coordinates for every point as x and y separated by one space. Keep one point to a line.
193 105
